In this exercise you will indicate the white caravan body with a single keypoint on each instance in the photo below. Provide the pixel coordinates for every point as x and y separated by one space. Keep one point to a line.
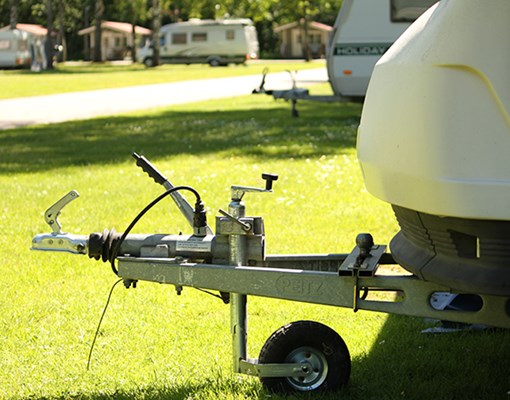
364 30
15 49
216 42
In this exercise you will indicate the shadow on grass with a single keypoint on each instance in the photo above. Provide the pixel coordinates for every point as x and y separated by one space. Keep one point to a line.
405 363
267 133
209 388
93 68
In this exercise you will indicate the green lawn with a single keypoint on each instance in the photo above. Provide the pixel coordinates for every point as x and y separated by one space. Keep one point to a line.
79 77
156 345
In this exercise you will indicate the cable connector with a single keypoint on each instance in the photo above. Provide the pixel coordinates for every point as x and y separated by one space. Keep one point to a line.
199 219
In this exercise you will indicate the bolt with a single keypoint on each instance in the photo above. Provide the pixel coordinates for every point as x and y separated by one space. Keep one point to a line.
128 283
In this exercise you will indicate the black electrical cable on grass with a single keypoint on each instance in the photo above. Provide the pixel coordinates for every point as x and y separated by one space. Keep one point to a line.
100 322
141 214
116 249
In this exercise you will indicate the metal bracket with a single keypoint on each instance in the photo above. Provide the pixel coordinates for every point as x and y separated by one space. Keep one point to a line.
295 370
231 222
357 266
369 265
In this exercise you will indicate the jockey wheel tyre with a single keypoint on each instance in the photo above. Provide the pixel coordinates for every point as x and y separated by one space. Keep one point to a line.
312 343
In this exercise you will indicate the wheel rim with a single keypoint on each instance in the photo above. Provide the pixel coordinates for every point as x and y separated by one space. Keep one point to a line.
317 363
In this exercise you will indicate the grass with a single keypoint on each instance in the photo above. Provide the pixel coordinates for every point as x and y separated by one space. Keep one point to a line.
156 345
80 77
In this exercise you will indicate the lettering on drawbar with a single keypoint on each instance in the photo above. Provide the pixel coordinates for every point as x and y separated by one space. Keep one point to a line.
297 287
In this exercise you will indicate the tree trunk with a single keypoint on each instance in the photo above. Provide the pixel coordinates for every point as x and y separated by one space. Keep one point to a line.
61 38
98 18
156 25
133 37
14 13
305 41
87 56
48 45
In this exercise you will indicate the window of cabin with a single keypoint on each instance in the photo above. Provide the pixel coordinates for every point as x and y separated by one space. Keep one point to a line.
409 10
5 44
199 37
179 38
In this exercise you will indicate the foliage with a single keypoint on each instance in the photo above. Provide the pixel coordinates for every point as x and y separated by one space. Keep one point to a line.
278 11
34 11
265 13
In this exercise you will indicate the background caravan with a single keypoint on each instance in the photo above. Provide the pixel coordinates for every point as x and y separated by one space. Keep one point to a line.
215 42
364 30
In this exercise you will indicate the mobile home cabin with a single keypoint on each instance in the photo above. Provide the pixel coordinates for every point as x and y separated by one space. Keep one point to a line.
216 42
363 31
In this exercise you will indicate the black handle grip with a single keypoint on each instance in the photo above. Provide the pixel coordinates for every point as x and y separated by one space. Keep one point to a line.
269 178
150 169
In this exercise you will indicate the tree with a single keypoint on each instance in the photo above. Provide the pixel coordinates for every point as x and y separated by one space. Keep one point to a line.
133 11
156 25
61 37
98 19
305 21
13 15
48 44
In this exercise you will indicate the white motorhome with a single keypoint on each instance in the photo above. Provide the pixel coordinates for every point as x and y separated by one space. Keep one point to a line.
364 30
15 49
216 42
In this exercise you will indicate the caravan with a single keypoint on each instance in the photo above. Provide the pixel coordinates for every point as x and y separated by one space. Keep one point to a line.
215 42
364 30
23 47
15 48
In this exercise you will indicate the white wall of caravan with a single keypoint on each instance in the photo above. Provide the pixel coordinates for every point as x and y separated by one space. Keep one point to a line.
363 31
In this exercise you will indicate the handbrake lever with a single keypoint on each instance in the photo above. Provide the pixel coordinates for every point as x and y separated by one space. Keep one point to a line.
181 203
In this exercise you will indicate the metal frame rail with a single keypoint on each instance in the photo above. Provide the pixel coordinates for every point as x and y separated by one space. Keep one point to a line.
305 285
